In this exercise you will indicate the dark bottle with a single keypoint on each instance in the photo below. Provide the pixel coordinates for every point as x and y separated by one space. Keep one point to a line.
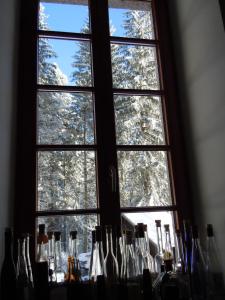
22 271
198 283
8 272
214 274
187 246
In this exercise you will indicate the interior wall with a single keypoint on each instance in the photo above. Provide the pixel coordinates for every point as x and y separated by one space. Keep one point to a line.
199 47
8 49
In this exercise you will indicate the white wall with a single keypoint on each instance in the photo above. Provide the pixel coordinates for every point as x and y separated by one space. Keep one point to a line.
7 112
199 40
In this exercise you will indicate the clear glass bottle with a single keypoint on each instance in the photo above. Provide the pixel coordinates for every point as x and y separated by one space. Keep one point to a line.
140 249
130 271
29 268
214 274
187 246
42 245
74 256
51 256
150 260
99 258
198 282
179 266
168 251
159 255
110 262
92 273
8 271
59 272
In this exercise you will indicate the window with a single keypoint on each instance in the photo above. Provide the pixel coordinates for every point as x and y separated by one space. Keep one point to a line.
98 138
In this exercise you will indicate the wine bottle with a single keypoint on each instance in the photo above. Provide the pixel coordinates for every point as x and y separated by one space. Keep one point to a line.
8 271
214 274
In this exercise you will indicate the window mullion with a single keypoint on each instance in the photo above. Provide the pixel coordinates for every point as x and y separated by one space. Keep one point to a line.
105 123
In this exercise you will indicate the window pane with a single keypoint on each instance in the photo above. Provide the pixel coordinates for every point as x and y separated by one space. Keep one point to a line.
138 120
59 16
66 180
129 220
64 62
65 118
134 67
131 19
84 224
143 178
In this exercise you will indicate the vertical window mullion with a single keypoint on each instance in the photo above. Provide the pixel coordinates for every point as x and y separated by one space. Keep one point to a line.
105 123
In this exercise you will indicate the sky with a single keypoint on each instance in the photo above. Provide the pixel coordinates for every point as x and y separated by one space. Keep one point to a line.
71 18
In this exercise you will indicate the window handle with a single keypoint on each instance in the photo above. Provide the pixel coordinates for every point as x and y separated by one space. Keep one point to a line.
113 178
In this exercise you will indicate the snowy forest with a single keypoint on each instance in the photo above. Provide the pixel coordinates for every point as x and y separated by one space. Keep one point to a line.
67 179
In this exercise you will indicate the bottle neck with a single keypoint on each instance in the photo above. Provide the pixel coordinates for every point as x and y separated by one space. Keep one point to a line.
109 242
159 239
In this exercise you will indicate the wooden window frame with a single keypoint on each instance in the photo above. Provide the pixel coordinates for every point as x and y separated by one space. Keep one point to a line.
110 210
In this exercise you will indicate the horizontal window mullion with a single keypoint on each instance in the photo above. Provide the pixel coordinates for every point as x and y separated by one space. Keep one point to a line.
143 147
47 213
65 147
64 88
63 35
148 209
133 41
138 92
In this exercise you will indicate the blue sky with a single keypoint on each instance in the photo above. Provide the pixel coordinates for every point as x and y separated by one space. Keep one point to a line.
71 18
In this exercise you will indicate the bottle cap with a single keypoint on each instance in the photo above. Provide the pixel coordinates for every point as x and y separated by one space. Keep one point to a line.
167 227
50 235
41 228
57 235
158 223
93 233
209 229
73 234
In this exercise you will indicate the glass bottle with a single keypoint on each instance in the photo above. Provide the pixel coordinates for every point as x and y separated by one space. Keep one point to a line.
59 273
29 268
99 258
130 265
42 244
168 251
214 274
8 271
51 256
179 266
150 261
187 245
141 259
74 257
22 272
110 262
197 268
92 276
159 255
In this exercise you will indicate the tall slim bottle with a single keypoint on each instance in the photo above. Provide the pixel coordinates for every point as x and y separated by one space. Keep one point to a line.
198 283
99 258
59 272
8 271
130 271
214 274
51 256
22 271
159 255
42 245
92 276
110 262
187 246
168 251
74 256
29 268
